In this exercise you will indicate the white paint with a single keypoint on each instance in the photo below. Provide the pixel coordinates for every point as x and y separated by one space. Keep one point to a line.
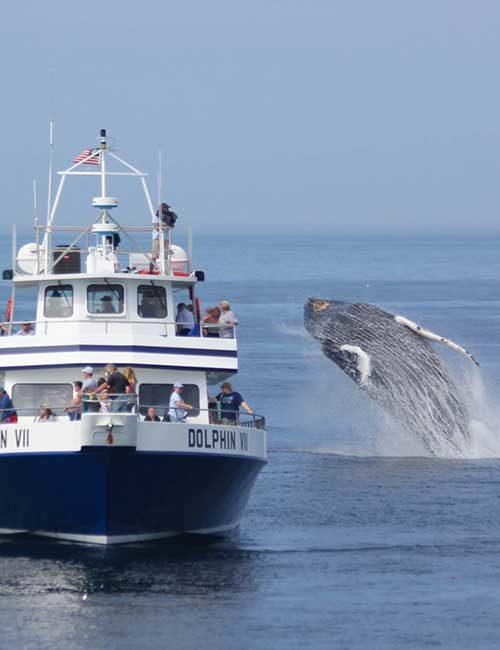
432 336
63 436
129 539
363 365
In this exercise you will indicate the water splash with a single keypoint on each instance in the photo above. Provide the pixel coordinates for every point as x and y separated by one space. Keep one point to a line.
346 423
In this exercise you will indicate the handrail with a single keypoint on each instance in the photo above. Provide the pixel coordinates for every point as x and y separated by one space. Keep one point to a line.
253 420
119 319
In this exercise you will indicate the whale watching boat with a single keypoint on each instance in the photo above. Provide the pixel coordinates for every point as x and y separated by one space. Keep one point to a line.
100 472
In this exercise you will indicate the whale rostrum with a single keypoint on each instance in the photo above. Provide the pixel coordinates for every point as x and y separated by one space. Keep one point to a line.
390 358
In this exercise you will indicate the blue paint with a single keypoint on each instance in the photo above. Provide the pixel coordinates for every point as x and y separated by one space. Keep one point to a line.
144 349
119 491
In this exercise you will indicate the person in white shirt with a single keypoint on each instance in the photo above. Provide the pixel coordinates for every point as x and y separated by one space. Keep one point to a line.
89 383
184 320
229 319
177 408
26 330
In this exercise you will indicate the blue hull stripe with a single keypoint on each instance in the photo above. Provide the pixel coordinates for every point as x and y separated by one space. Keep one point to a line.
117 491
38 366
119 348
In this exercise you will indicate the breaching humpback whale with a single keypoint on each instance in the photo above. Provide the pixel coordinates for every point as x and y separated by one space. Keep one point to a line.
390 359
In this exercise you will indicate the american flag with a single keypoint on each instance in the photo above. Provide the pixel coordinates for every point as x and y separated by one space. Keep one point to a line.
95 160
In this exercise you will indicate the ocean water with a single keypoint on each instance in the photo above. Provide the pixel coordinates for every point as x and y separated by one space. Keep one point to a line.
353 538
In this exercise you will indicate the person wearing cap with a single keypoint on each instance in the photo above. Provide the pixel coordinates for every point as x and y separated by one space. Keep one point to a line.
107 306
230 402
89 383
177 408
89 386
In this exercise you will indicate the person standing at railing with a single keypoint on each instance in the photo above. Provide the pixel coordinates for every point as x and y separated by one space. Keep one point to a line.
211 322
131 389
7 412
74 408
177 408
184 320
230 402
228 319
115 385
89 405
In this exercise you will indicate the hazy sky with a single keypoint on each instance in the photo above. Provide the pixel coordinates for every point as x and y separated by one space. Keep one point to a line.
273 115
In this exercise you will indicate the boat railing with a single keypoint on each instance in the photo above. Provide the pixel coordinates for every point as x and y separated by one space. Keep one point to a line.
125 404
215 415
111 325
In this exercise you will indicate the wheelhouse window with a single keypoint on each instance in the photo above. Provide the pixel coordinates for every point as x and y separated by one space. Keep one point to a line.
158 395
30 399
151 301
58 301
105 299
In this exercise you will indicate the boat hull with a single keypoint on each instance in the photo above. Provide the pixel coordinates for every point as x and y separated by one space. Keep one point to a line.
106 495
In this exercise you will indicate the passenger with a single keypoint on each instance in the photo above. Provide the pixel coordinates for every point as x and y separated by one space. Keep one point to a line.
89 382
211 321
107 306
230 402
178 409
7 412
151 415
229 319
115 384
74 408
131 389
105 402
46 415
166 220
26 330
184 320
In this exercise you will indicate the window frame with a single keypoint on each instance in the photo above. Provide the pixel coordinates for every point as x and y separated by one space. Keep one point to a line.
60 287
155 287
110 287
35 410
168 391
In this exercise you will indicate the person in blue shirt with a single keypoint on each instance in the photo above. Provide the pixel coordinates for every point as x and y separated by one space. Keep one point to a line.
6 407
230 402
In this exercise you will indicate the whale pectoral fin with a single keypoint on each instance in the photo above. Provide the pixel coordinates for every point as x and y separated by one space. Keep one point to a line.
350 359
432 336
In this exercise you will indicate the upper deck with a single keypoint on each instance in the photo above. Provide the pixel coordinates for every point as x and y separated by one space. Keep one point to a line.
112 292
